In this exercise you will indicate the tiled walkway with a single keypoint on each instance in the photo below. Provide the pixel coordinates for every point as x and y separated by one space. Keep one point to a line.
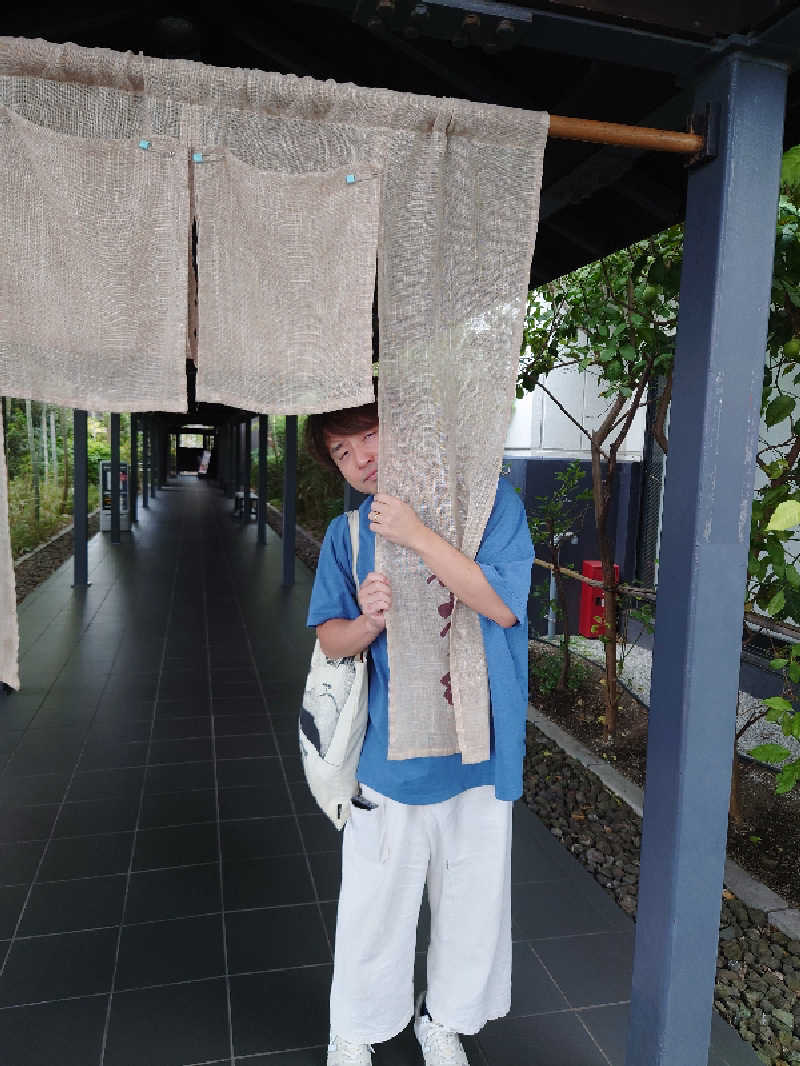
167 889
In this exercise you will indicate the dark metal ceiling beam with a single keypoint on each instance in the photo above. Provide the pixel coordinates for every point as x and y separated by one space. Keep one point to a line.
609 164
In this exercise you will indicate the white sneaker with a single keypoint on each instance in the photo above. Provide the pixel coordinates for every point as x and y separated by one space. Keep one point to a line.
345 1053
440 1046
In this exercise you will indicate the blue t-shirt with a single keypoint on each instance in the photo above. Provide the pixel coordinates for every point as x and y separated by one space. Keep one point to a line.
505 555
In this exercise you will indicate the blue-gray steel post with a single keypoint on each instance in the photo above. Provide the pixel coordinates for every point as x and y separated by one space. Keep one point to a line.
263 435
115 493
145 460
80 499
153 458
133 473
230 487
248 445
289 499
724 304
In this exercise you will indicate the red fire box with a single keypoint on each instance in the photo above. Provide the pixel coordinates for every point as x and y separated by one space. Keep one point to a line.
592 600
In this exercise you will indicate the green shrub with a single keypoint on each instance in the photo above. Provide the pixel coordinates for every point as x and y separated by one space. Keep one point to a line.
544 669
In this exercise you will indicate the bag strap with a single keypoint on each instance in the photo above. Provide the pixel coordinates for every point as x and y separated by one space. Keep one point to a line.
352 521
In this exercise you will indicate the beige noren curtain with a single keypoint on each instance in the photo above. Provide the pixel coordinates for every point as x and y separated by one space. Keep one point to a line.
446 192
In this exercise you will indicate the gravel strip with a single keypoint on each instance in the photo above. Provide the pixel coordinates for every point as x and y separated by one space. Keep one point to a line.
32 569
758 967
636 676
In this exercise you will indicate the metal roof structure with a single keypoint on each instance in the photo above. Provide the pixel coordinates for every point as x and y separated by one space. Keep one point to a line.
630 61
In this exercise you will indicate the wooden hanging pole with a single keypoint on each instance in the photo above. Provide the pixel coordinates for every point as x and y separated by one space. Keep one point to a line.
582 129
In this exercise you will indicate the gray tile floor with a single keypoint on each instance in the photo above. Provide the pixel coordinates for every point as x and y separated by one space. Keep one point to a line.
167 888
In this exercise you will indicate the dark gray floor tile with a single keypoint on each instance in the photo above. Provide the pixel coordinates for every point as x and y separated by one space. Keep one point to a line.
319 833
54 967
106 784
11 901
267 882
186 845
182 709
180 751
179 776
90 856
180 728
69 1033
168 1026
179 808
590 970
254 802
240 773
275 938
181 949
109 815
70 906
311 1056
173 893
238 707
98 756
326 869
18 862
609 1027
304 802
545 1040
539 911
250 746
293 765
297 1015
532 989
231 725
256 838
106 731
40 788
26 823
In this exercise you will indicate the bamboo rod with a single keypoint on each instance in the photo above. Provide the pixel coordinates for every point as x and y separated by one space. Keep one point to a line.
751 618
582 129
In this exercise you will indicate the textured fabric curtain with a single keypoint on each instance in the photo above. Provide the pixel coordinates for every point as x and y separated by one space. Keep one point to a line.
446 192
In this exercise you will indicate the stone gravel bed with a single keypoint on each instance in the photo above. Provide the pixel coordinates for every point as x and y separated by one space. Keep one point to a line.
758 967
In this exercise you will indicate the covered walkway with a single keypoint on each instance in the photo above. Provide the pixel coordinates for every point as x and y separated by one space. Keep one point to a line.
167 889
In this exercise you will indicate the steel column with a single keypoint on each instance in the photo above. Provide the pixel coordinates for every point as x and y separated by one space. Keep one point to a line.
115 538
80 499
153 458
289 499
263 436
230 487
248 445
725 296
145 460
133 472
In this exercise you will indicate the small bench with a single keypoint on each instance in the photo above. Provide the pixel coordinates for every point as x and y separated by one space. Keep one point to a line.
238 504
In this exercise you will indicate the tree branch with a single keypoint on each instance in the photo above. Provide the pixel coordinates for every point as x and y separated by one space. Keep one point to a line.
661 416
563 409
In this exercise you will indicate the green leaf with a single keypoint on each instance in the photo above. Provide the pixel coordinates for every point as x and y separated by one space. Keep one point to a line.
771 753
776 603
787 778
792 576
778 664
778 409
785 516
794 672
777 703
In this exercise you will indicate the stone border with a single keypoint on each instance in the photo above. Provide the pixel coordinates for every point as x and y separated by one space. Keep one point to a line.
743 885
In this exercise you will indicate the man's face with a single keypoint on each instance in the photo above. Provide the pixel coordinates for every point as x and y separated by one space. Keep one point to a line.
356 456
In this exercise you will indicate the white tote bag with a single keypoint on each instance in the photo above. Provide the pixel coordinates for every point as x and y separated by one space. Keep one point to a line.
333 720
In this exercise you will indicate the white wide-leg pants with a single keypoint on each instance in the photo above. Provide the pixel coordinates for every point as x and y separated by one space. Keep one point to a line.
462 848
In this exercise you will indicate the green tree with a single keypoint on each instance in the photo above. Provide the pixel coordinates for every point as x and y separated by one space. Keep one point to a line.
615 318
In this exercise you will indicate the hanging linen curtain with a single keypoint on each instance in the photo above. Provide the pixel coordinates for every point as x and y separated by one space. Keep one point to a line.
448 191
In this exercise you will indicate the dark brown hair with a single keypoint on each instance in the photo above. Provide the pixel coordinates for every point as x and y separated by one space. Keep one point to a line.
337 423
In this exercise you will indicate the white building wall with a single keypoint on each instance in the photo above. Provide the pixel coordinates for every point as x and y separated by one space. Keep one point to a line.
539 428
